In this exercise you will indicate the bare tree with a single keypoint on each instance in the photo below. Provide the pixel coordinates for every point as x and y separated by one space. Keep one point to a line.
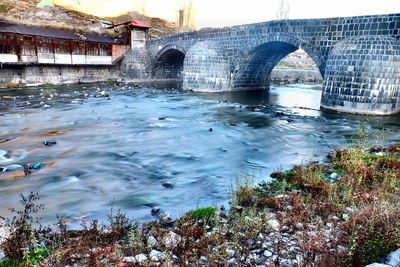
283 10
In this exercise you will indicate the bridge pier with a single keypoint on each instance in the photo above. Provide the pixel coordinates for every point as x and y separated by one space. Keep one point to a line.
206 68
362 76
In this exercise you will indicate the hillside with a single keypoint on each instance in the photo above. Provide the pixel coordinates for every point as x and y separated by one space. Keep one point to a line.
58 17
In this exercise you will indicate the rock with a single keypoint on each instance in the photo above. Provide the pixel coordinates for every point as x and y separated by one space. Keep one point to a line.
156 255
168 185
210 130
49 143
162 118
393 259
299 226
47 106
140 258
378 265
239 208
105 94
267 253
171 240
262 183
155 210
230 252
274 224
279 114
165 219
334 175
329 225
10 168
152 242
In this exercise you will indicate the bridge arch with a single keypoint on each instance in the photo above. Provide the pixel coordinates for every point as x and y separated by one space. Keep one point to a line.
168 63
206 68
251 69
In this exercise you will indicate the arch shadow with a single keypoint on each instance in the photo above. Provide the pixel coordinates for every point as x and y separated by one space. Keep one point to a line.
168 63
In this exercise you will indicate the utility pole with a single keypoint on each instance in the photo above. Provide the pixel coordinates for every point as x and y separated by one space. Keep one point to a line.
283 10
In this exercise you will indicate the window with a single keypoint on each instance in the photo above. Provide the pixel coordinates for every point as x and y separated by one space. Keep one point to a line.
92 49
105 50
7 45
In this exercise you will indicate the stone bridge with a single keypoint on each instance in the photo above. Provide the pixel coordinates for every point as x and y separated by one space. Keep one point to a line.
359 58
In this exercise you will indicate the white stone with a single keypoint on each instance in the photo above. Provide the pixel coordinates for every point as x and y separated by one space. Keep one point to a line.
267 253
156 255
151 241
334 175
171 240
230 252
393 259
274 224
141 258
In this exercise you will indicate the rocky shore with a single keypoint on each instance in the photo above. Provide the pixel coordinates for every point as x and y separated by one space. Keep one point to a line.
343 212
289 75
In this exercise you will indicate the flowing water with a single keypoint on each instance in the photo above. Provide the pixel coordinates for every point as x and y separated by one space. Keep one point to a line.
123 148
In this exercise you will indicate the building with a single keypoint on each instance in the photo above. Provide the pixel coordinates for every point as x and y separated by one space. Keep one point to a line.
22 44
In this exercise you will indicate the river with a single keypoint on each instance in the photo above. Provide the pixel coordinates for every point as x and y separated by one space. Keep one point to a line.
122 148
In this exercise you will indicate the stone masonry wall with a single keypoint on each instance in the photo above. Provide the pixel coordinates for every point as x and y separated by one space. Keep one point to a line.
363 76
41 74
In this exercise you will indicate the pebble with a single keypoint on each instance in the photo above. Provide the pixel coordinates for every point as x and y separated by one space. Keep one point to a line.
239 208
274 224
171 240
267 253
334 175
262 183
165 218
230 252
156 255
152 241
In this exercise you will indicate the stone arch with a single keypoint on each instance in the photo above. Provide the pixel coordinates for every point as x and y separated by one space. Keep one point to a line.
363 76
206 68
168 63
254 63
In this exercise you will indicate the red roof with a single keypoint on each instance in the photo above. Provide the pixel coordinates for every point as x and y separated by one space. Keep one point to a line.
137 23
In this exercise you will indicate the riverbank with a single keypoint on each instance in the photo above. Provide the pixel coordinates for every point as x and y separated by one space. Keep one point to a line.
343 212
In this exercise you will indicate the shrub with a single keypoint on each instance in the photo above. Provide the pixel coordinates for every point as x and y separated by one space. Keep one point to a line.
21 227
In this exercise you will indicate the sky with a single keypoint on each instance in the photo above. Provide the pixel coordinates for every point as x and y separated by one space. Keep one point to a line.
219 13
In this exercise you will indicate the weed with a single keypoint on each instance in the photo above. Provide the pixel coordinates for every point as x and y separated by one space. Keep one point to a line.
205 214
36 255
21 227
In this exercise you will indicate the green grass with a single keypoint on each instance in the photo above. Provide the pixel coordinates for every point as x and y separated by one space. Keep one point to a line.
204 214
30 258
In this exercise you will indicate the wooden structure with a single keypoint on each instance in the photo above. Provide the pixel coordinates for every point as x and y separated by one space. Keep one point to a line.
21 44
135 34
